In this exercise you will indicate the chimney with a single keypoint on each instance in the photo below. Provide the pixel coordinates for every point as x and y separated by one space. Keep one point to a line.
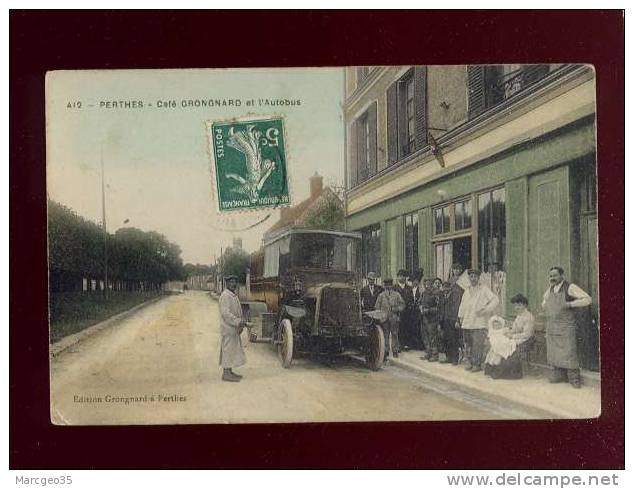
316 186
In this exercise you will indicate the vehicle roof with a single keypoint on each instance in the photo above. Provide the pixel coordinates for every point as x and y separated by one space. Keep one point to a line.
289 231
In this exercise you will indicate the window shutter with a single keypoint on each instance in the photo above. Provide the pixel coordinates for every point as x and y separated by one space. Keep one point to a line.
533 73
420 105
401 116
372 127
362 164
392 123
353 163
476 90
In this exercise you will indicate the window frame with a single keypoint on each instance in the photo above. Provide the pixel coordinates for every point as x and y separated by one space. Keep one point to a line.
374 232
473 232
451 206
363 125
403 102
415 244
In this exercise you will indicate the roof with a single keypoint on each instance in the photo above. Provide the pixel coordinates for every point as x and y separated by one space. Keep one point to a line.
282 233
300 213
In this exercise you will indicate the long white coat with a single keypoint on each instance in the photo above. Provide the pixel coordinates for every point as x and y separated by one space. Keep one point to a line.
231 352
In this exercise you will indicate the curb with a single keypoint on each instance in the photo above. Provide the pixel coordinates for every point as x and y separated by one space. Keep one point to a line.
537 410
71 340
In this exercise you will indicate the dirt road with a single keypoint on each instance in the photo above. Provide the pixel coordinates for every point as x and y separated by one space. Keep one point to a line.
160 366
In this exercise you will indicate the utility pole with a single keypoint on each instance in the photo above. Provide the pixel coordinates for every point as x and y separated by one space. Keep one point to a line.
105 232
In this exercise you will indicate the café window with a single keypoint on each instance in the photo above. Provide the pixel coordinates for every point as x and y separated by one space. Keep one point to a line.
442 220
492 241
371 250
455 217
491 230
411 242
462 215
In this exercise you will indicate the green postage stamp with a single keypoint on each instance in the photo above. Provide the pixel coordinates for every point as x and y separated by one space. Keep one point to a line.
250 163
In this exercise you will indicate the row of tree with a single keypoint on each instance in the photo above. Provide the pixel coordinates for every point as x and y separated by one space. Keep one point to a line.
77 250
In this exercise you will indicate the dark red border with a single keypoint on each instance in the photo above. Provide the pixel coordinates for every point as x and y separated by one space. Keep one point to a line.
42 41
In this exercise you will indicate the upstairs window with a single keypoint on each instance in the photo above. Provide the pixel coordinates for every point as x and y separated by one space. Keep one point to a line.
407 114
364 143
491 85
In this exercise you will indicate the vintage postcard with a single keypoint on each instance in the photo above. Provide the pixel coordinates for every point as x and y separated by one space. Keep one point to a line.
279 245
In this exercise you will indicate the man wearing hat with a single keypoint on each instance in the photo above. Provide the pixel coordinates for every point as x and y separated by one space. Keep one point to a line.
476 307
370 292
231 325
407 328
390 302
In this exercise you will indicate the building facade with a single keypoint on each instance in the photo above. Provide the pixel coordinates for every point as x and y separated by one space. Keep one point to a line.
493 167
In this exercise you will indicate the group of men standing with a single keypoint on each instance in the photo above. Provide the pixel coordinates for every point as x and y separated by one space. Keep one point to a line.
438 317
449 317
426 314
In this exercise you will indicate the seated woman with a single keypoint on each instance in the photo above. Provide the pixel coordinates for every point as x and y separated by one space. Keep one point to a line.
504 358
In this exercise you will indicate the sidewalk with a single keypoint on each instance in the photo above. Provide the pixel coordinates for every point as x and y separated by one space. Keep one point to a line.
532 392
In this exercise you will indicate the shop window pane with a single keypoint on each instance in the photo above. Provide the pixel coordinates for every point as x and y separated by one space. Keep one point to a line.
411 242
441 220
484 229
459 215
463 215
492 242
438 221
371 250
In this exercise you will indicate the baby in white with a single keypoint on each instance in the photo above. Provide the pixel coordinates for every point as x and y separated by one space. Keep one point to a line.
501 345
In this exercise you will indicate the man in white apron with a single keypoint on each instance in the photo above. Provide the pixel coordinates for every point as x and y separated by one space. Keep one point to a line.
559 304
231 325
476 307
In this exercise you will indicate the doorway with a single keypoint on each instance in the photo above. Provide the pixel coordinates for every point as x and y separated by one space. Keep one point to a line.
447 253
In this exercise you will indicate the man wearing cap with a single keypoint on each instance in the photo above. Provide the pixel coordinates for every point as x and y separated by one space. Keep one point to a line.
370 292
231 325
390 302
476 307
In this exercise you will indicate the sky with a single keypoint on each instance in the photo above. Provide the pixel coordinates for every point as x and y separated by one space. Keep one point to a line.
156 162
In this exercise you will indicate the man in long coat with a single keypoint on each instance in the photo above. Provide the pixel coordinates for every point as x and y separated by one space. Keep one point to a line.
561 300
231 325
476 307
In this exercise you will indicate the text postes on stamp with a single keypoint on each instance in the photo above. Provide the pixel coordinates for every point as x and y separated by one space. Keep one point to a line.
250 164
